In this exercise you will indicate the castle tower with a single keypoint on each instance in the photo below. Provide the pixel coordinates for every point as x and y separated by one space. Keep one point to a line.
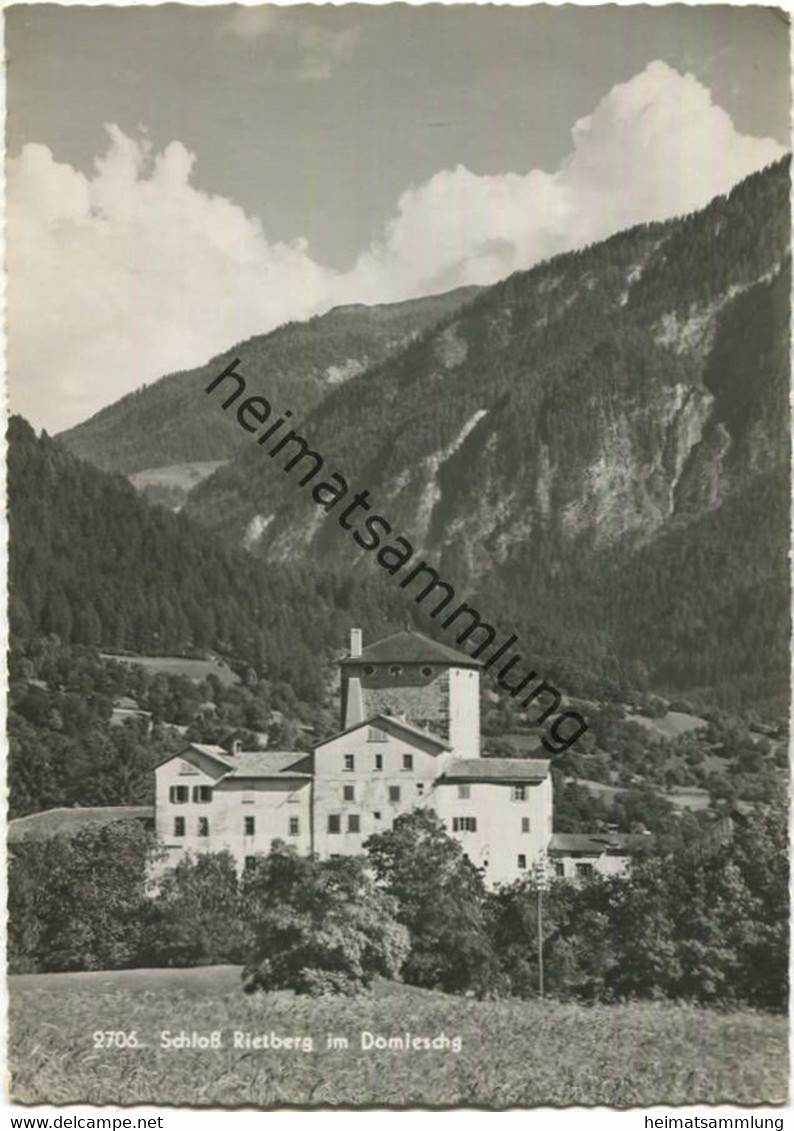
428 684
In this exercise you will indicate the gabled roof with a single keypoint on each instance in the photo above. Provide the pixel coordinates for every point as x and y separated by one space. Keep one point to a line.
498 769
412 648
222 757
389 722
268 764
596 844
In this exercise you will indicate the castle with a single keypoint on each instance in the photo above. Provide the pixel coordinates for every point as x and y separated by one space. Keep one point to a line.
409 737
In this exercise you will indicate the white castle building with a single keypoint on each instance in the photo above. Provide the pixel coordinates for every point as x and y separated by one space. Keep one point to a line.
410 738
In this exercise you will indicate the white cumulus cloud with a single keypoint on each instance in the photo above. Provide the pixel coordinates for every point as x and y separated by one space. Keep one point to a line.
132 272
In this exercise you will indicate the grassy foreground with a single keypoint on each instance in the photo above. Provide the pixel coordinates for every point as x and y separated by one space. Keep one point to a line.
513 1053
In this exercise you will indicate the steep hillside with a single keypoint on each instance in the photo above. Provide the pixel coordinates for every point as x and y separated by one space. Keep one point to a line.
169 423
93 563
599 445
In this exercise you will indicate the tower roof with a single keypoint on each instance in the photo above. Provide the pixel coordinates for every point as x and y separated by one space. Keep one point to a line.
409 647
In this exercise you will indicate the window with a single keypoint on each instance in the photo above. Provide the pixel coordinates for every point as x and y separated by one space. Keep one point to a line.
394 793
348 793
376 814
334 823
353 823
179 794
368 669
525 824
408 761
519 793
464 824
250 861
179 826
464 792
584 870
522 861
350 762
202 793
203 826
249 826
420 787
294 826
376 735
559 868
395 669
427 671
378 761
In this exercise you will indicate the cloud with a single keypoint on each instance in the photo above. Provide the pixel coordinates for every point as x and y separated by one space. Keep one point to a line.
132 272
653 148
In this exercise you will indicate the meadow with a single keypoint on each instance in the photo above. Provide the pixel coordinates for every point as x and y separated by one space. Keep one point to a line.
513 1053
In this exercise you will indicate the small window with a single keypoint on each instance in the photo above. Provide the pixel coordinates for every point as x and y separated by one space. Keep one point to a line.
334 823
519 793
250 861
420 787
408 761
394 793
376 814
427 672
179 826
522 861
559 868
368 669
294 826
202 793
179 794
464 792
348 793
203 826
464 824
249 826
395 669
585 870
378 761
525 824
350 762
353 823
375 734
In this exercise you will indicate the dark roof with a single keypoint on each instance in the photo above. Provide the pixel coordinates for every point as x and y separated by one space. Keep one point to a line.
596 844
498 769
38 826
386 721
412 648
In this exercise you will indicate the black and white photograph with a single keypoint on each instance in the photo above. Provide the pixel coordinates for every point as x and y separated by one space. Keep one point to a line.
398 582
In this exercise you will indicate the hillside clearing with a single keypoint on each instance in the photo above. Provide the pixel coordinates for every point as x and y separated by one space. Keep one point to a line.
513 1053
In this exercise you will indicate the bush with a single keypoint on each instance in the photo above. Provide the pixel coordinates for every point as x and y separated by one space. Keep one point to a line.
318 927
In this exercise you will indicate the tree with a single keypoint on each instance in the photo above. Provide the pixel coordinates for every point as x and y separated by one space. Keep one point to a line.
195 918
79 903
318 927
441 900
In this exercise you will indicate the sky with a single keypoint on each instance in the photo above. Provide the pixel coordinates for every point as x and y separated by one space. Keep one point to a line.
182 178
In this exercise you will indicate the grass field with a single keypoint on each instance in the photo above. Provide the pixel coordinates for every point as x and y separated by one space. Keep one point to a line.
512 1054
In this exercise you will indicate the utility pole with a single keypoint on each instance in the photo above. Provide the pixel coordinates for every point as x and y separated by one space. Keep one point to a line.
540 940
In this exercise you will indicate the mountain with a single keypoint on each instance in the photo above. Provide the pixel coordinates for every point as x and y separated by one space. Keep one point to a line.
94 564
169 423
598 446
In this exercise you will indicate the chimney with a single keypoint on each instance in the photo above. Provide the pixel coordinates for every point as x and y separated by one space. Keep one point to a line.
354 703
355 642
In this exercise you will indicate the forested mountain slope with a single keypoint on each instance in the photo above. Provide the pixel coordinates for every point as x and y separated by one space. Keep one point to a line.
600 444
169 422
